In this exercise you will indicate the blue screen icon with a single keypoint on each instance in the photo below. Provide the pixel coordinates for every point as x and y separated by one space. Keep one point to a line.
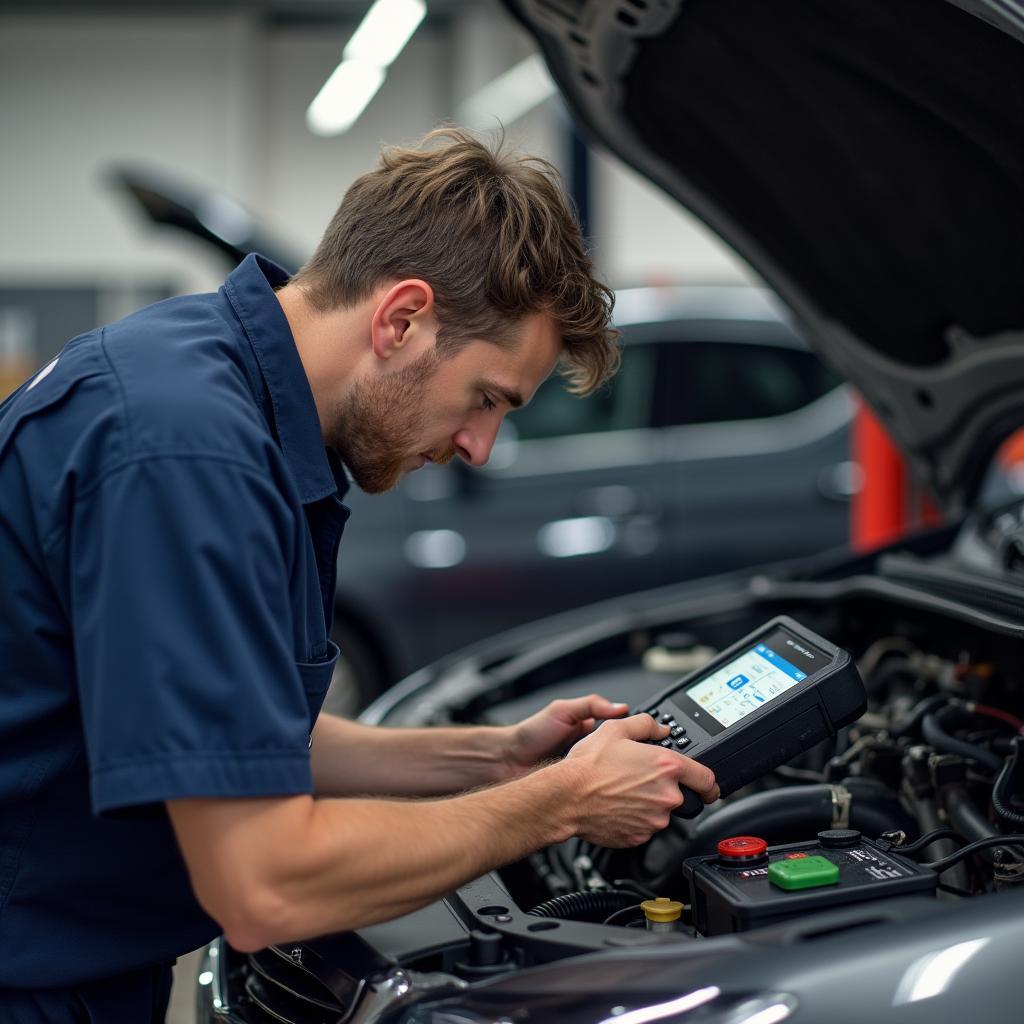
736 682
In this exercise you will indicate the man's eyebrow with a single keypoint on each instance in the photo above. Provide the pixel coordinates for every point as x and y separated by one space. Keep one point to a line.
512 397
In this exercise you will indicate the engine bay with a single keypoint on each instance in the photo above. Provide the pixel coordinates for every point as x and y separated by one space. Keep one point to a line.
919 804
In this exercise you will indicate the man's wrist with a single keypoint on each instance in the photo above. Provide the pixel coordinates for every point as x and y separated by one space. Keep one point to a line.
562 781
505 740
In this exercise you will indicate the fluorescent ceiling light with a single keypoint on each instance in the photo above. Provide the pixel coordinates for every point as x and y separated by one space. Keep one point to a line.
382 34
511 95
344 97
384 31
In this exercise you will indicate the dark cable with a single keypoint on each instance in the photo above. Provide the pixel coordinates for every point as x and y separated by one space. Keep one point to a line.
926 840
634 910
632 886
938 866
1013 769
936 736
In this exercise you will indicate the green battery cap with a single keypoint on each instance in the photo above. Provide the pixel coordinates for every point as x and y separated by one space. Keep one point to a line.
805 873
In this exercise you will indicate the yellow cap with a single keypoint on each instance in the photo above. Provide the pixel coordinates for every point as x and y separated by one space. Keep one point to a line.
662 910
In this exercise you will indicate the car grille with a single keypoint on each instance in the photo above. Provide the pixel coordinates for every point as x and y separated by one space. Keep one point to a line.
280 990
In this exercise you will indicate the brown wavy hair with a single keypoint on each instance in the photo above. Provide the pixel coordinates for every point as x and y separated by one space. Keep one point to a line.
493 234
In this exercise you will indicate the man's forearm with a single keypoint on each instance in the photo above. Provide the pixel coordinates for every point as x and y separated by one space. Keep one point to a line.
317 866
350 759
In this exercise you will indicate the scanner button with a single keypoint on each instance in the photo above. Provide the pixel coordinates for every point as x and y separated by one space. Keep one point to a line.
666 718
683 743
666 742
677 732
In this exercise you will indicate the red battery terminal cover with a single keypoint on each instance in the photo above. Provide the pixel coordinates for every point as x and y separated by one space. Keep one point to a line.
742 848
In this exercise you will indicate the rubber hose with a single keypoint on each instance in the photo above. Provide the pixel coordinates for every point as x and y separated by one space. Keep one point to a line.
965 817
928 820
937 737
919 710
590 906
999 798
795 813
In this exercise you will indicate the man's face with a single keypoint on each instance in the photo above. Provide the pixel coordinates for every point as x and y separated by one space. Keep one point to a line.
432 408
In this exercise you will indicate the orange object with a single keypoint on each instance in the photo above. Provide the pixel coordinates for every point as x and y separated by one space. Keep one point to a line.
889 503
879 510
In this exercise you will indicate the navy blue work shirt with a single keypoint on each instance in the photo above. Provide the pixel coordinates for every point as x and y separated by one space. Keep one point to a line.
169 524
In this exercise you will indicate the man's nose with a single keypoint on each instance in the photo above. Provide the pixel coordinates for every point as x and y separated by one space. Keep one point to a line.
474 443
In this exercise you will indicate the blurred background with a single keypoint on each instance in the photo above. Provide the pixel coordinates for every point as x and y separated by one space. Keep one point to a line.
147 147
213 95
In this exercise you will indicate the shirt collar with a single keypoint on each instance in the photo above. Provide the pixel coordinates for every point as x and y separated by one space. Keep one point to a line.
250 290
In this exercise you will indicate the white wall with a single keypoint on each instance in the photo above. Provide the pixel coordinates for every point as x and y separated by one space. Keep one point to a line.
220 101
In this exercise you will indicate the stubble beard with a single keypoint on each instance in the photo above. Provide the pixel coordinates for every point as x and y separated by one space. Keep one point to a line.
382 423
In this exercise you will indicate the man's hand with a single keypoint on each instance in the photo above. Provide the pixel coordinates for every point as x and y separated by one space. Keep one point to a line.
627 788
547 733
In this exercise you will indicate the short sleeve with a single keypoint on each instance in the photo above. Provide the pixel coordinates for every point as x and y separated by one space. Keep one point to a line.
179 582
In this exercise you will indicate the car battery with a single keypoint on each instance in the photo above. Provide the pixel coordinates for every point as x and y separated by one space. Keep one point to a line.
748 884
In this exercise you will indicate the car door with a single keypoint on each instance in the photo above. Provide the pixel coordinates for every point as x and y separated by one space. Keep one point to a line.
755 436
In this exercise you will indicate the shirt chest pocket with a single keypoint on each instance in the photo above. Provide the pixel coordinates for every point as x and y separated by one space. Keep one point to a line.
316 678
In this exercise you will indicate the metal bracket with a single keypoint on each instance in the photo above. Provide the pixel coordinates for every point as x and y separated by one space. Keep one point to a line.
842 798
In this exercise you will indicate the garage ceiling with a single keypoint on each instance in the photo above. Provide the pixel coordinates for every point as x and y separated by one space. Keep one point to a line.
276 11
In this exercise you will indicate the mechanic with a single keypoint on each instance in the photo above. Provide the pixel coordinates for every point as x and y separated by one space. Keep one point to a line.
170 511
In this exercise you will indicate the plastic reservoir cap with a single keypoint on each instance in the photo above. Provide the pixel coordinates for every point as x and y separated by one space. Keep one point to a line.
742 847
662 910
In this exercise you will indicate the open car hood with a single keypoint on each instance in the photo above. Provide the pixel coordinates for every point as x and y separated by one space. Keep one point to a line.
866 157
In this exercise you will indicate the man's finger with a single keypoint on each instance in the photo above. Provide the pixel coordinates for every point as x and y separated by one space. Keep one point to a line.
640 727
699 778
594 706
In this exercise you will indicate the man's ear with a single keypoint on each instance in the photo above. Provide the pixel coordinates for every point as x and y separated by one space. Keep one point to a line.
404 319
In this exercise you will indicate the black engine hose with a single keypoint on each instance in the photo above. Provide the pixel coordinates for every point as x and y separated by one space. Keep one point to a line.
794 813
587 906
917 713
1000 795
965 815
929 821
935 735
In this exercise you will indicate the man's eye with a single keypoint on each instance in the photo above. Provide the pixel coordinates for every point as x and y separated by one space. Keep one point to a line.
488 404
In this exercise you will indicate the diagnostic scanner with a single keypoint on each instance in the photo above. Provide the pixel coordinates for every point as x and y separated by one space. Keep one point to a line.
759 703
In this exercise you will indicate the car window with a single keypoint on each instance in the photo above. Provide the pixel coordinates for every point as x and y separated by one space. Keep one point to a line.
708 382
622 404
